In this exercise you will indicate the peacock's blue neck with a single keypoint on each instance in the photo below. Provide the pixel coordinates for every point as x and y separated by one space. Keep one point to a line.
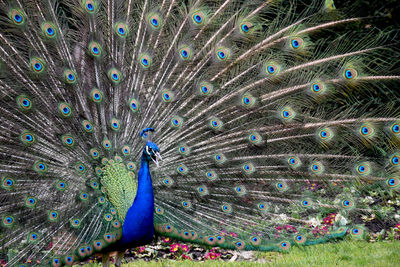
138 226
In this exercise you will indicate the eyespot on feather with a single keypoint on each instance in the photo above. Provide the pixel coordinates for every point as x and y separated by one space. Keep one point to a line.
131 166
176 122
90 6
205 88
68 140
211 175
167 96
262 206
347 203
185 52
17 16
106 144
94 153
28 138
219 158
134 105
246 27
183 150
121 29
159 210
145 61
287 114
186 204
40 167
239 245
367 130
240 190
272 68
300 239
317 167
363 168
114 76
294 162
70 77
281 186
202 190
80 167
115 125
30 202
350 73
75 223
126 150
49 30
168 181
215 123
296 43
87 126
61 185
255 139
37 65
95 49
226 208
393 182
96 95
306 203
8 221
7 183
223 53
248 168
199 18
255 240
65 110
24 103
248 100
154 20
284 245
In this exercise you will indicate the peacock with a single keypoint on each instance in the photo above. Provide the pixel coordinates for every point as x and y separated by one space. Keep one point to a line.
233 123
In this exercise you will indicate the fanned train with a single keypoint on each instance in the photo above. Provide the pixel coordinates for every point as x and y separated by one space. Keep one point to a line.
238 124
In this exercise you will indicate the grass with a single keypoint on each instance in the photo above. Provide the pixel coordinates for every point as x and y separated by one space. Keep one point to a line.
345 253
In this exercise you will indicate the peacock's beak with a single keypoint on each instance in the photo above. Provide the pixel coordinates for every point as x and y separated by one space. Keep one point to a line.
156 158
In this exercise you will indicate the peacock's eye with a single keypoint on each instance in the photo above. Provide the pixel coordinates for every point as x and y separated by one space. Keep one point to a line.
149 150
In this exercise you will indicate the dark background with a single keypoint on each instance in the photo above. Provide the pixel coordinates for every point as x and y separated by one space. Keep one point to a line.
386 11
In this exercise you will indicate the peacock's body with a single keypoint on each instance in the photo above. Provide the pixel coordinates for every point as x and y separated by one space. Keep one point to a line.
269 116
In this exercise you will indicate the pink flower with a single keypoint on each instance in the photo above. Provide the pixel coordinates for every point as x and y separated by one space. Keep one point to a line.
233 234
166 239
290 228
141 249
328 220
212 256
184 247
174 247
186 257
314 232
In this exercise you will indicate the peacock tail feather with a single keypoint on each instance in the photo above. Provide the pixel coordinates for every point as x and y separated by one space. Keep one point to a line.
269 116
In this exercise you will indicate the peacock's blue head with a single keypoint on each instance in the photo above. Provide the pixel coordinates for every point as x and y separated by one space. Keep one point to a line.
151 150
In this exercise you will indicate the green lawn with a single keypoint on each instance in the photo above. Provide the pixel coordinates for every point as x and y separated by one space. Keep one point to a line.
345 253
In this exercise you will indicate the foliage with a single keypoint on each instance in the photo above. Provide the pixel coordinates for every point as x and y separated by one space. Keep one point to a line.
347 253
